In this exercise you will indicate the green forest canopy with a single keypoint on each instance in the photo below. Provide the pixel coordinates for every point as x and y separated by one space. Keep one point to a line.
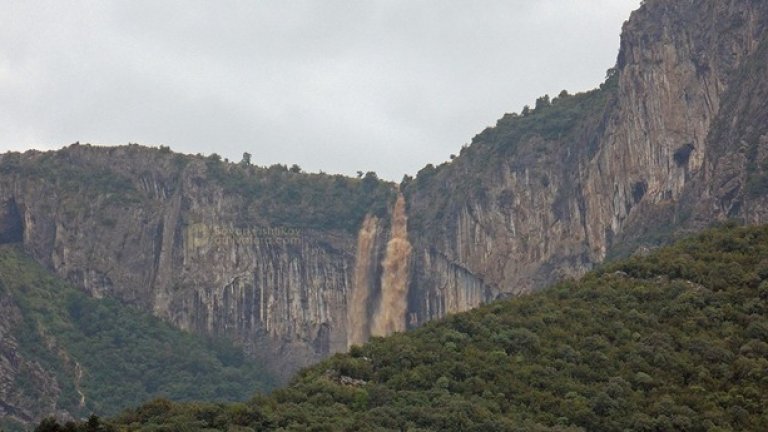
127 356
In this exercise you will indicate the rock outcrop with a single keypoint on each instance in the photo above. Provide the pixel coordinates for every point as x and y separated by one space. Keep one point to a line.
674 140
40 391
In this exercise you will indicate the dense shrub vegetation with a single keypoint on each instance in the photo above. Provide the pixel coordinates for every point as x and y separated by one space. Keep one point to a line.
279 195
287 196
126 356
674 341
550 120
68 176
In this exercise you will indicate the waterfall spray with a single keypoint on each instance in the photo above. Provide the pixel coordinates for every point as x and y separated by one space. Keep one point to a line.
389 317
358 328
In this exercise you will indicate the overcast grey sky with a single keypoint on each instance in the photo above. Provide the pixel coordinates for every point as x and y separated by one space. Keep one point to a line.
333 85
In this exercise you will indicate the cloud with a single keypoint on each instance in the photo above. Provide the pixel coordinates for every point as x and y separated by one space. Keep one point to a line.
332 85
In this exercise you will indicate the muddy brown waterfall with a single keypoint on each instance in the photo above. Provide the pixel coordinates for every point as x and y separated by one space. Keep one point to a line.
358 327
389 316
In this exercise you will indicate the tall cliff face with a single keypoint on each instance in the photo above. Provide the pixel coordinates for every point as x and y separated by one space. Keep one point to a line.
268 260
675 139
295 266
677 82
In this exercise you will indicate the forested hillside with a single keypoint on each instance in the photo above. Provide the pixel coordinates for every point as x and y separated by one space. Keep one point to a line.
67 353
677 340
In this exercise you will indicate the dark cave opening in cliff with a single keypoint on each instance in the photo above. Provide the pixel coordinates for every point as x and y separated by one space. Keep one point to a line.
11 223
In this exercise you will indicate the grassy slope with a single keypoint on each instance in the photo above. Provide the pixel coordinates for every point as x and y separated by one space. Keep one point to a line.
674 341
127 356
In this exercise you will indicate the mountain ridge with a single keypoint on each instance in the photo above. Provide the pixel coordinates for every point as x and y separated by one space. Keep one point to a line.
673 141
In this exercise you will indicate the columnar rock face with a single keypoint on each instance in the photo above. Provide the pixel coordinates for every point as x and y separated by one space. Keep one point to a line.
174 242
676 138
170 238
